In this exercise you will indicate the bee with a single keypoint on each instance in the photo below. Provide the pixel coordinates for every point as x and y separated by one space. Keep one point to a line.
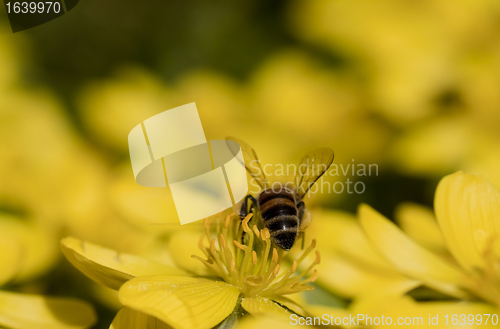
282 210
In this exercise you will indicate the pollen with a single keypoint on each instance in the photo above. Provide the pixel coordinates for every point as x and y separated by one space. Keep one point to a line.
251 262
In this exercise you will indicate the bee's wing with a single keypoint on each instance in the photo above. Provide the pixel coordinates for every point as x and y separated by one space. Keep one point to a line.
312 166
252 163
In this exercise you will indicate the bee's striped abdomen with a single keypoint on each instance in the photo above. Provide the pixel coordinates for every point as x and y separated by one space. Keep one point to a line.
279 214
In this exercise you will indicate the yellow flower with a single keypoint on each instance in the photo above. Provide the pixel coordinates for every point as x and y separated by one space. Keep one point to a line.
459 255
27 251
247 276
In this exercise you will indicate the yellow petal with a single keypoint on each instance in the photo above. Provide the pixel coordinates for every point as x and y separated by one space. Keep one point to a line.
468 209
332 313
299 298
371 300
340 232
262 306
347 252
352 279
418 314
406 255
110 267
423 309
290 304
182 302
421 225
130 319
33 311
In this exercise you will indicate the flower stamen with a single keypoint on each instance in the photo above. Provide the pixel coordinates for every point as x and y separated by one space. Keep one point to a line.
251 265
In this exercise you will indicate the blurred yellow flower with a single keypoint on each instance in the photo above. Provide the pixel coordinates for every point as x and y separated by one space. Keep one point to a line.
300 103
251 270
40 157
440 146
28 251
411 54
111 108
433 149
34 250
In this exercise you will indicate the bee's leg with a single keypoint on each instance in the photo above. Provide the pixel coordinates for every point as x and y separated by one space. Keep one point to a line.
245 209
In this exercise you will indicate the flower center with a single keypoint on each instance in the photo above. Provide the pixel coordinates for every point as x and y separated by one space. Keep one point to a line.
248 261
